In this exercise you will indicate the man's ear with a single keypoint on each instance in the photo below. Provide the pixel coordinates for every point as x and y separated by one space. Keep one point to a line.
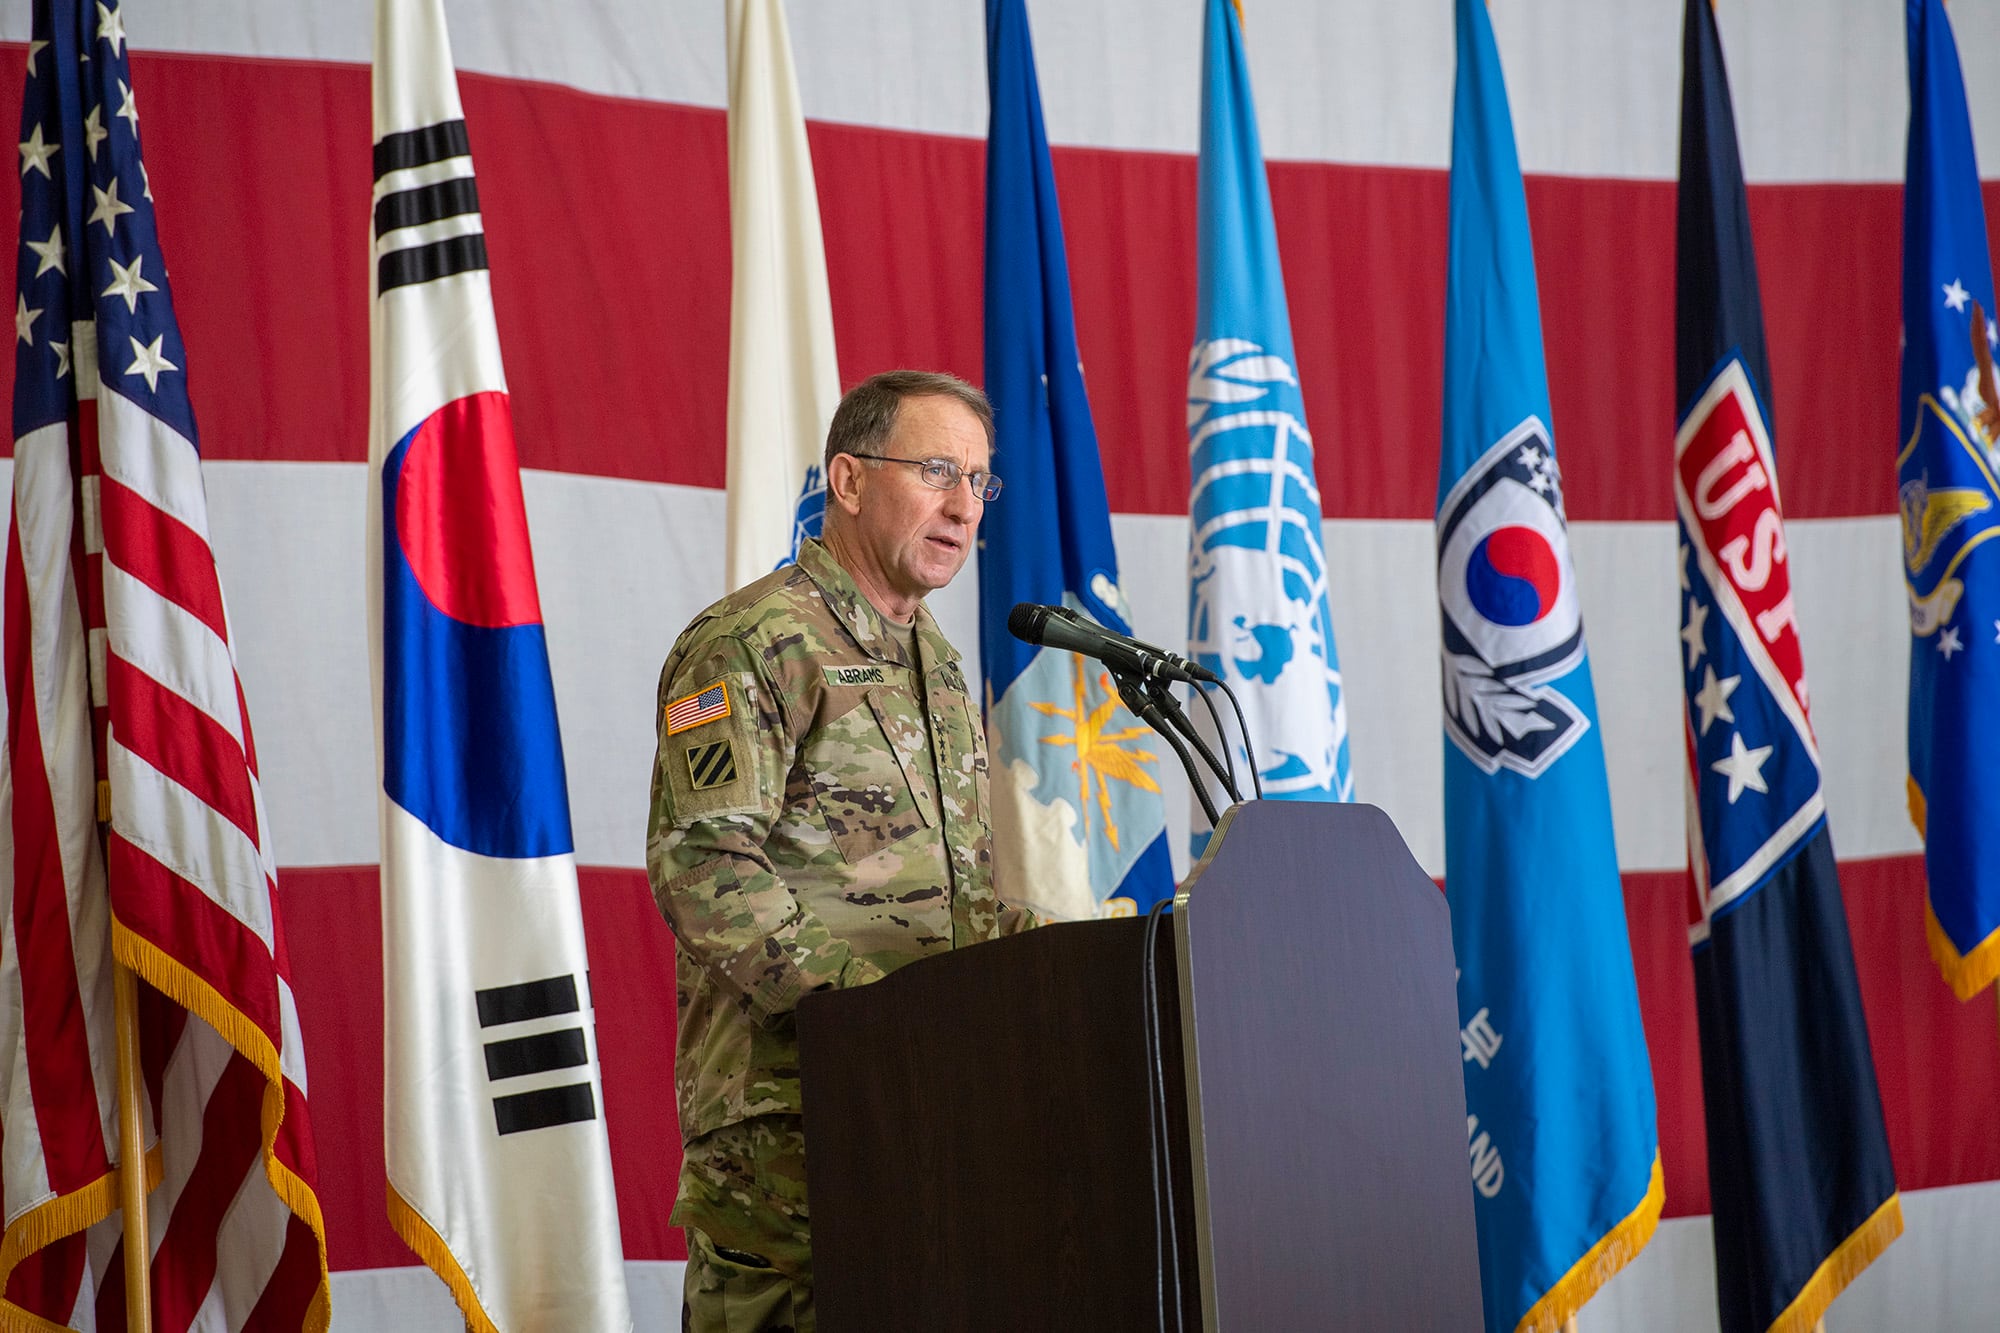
843 482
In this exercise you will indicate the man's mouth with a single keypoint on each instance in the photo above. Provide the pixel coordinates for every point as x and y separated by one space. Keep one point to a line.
949 543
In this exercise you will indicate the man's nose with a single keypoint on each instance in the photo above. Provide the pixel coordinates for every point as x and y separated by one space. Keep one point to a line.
962 503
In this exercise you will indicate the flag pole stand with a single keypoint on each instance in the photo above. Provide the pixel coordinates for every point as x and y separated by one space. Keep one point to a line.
132 1155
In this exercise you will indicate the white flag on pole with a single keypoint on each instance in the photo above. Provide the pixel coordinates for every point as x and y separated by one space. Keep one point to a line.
784 381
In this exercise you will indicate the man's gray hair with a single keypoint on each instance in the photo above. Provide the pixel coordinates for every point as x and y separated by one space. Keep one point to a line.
866 417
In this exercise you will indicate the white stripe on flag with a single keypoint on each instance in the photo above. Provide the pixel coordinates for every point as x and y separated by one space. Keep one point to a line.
172 646
184 833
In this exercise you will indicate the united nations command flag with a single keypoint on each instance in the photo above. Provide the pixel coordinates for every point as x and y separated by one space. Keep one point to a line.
1945 473
1258 614
1558 1089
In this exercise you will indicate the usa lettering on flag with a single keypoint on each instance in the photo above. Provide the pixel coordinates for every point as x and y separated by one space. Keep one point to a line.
138 824
695 709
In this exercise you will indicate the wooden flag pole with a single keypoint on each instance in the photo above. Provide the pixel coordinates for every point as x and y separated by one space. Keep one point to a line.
132 1155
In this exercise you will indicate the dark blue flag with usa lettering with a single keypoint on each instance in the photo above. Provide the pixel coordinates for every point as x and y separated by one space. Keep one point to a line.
1803 1191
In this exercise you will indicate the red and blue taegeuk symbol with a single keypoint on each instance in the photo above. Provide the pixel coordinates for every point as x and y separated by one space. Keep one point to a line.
470 741
1513 576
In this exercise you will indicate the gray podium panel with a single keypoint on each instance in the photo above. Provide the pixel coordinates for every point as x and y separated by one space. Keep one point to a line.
1325 1101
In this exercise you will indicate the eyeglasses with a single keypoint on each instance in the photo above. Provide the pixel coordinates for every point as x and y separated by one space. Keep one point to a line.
944 475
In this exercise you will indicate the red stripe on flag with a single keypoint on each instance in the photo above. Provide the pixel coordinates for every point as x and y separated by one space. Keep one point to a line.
197 932
57 1047
181 1260
179 739
289 1292
47 1281
1363 247
161 552
231 1148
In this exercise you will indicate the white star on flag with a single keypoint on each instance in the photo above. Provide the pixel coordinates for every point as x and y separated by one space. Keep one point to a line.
94 132
1955 296
50 251
1948 643
36 152
62 359
1743 766
24 320
34 49
129 108
108 207
1530 457
147 361
1713 698
1692 631
128 282
111 27
1684 567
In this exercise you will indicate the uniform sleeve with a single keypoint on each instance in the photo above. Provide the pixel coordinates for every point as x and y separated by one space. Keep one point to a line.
718 786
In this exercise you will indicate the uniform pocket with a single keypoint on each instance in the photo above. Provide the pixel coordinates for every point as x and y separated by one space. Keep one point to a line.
864 776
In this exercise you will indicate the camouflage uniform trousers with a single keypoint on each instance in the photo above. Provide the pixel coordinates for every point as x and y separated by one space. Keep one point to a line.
743 1202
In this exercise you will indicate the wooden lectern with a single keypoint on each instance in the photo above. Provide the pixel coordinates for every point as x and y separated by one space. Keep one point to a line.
982 1154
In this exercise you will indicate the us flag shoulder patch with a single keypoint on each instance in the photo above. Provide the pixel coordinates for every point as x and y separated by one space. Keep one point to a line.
712 765
692 710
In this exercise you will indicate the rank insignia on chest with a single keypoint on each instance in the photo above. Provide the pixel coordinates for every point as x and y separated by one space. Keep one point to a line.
692 710
712 765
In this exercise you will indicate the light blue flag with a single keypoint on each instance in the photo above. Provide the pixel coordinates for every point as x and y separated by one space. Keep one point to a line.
1079 820
1257 612
1946 475
1559 1091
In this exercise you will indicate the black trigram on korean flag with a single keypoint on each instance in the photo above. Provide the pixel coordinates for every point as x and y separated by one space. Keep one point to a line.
536 1053
427 223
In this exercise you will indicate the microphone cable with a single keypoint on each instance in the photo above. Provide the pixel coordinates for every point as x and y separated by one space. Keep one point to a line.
1166 1234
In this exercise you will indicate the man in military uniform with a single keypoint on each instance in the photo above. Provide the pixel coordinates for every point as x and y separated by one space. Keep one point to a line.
819 818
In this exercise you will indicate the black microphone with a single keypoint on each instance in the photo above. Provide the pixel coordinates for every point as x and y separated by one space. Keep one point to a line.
1055 627
1195 671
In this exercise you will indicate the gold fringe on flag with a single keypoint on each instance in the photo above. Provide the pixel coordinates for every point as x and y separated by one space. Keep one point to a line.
1841 1267
423 1238
1600 1263
184 987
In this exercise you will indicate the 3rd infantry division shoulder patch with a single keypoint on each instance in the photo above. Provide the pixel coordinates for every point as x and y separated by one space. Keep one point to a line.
711 765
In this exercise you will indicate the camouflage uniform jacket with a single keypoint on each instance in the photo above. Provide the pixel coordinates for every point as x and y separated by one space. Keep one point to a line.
820 821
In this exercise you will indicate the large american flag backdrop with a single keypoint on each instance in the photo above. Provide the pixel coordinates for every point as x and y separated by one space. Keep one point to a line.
602 146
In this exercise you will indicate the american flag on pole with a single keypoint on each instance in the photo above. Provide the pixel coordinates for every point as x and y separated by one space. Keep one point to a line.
128 781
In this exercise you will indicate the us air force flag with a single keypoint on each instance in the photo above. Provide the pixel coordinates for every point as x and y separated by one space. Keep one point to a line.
783 380
1558 1087
1077 811
1945 478
499 1169
1799 1174
1257 614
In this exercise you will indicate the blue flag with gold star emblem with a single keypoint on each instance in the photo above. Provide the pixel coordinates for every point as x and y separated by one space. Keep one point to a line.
1258 614
1079 820
1802 1186
1945 473
1553 1049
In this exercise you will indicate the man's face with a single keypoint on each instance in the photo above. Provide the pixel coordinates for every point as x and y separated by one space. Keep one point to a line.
916 536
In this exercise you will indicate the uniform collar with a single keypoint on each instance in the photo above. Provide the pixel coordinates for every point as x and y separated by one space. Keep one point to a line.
871 629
